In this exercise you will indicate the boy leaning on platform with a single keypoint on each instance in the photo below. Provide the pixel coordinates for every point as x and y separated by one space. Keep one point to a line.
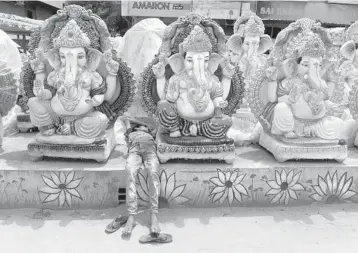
142 153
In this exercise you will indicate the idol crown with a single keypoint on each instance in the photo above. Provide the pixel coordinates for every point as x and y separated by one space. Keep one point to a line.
197 41
72 36
313 46
252 28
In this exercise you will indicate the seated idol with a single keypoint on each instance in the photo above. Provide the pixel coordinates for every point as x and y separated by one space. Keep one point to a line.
76 85
194 97
193 90
67 106
292 100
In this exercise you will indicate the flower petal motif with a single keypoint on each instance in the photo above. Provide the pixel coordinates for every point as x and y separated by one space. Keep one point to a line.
221 176
292 194
170 185
273 191
49 190
233 176
74 184
217 189
51 197
55 178
284 195
224 197
273 184
178 191
239 179
237 195
329 184
341 183
49 182
295 179
74 193
346 186
216 181
323 185
277 197
61 187
278 177
68 198
318 190
227 176
348 194
286 198
169 190
69 177
230 192
241 189
218 196
289 177
230 196
333 188
283 176
62 177
334 183
297 187
62 198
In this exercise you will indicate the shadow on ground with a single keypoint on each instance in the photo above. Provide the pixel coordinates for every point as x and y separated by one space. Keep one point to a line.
37 218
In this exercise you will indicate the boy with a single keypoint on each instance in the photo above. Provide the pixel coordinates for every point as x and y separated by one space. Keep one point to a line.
142 152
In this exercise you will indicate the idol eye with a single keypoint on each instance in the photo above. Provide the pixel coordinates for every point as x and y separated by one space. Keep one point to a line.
80 57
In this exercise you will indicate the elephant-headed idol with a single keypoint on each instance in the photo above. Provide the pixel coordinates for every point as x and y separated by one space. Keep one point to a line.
349 67
249 43
194 96
75 84
291 99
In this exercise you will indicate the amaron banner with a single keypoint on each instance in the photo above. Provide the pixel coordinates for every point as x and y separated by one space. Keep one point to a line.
218 9
215 9
156 8
324 12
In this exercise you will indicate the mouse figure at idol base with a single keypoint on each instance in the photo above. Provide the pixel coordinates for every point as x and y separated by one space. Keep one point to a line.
291 99
193 91
77 87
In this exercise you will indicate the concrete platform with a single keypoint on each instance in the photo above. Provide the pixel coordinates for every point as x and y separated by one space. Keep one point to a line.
254 179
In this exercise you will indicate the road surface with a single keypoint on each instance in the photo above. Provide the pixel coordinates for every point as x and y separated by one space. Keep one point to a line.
316 228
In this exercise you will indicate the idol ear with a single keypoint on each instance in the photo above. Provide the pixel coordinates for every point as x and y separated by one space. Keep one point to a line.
214 62
176 62
53 58
265 44
348 50
234 43
93 59
289 67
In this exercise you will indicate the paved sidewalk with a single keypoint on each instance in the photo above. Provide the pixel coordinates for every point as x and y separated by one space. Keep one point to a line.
316 228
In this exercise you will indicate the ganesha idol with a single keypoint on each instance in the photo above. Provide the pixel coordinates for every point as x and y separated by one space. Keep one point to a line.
247 47
349 67
291 99
191 100
74 102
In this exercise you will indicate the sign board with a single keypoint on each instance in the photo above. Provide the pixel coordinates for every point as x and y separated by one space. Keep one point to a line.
324 12
280 10
156 8
218 9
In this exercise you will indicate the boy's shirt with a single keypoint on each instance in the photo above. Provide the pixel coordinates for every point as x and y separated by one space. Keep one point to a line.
140 137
